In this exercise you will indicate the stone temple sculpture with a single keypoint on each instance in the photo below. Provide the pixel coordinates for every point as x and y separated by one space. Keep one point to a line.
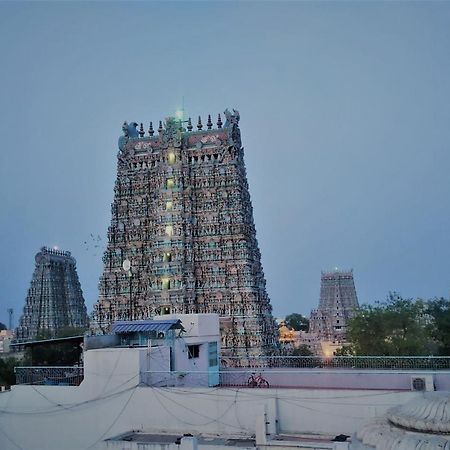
182 237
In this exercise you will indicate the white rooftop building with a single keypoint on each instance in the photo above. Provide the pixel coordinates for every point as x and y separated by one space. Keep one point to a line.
153 382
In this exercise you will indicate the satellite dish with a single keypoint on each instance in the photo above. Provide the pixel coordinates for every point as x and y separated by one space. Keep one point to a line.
126 265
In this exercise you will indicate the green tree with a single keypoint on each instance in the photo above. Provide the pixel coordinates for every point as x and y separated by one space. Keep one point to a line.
3 326
395 327
7 376
55 354
70 331
302 350
346 350
297 322
438 312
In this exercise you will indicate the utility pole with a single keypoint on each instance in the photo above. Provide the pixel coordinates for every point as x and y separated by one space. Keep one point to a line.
10 313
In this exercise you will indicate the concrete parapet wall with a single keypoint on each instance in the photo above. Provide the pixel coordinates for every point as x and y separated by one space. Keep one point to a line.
83 417
112 400
336 378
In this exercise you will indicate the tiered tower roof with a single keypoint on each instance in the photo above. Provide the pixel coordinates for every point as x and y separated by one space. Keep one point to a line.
338 302
182 237
55 300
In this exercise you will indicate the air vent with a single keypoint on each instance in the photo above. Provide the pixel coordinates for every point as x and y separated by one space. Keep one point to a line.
424 383
418 384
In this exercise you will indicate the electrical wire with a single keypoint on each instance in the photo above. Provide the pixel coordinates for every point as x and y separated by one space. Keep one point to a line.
258 394
122 410
321 411
1 429
57 407
255 396
216 420
11 440
116 362
74 405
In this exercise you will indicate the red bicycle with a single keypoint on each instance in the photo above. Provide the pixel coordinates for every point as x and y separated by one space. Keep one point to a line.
257 381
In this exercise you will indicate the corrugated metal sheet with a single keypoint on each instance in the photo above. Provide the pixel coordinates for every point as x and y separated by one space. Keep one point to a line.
145 325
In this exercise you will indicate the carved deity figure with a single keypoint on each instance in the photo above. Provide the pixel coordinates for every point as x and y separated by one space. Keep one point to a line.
232 118
129 132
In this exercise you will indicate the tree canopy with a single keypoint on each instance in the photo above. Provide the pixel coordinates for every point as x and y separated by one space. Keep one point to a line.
3 326
401 327
55 354
439 328
302 350
297 322
7 376
61 333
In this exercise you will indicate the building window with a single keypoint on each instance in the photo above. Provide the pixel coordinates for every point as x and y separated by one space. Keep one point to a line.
170 183
167 257
165 310
193 351
169 230
171 158
165 283
169 205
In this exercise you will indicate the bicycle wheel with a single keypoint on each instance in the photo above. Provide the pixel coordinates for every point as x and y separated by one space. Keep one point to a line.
263 384
251 382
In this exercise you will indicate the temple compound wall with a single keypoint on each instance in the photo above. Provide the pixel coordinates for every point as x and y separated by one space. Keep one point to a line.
182 238
55 299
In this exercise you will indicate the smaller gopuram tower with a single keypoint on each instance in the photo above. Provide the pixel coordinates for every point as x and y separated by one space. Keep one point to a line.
338 302
55 299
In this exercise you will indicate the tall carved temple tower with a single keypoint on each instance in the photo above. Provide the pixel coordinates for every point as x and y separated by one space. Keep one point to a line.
182 237
54 299
337 304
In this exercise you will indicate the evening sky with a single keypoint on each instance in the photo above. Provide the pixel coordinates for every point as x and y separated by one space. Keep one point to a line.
345 120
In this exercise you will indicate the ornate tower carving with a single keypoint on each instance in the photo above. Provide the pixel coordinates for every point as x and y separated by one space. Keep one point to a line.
54 299
182 237
337 304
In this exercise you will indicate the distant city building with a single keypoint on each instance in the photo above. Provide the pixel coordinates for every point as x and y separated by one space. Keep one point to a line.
182 238
54 299
288 338
5 339
337 304
173 349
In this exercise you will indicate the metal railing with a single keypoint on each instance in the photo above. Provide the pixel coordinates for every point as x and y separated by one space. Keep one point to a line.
230 375
341 362
49 376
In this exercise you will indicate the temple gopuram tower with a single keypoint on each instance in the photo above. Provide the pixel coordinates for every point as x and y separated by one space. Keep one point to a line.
54 299
338 302
182 237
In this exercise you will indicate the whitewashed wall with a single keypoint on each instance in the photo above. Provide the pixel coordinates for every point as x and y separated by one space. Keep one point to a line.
109 403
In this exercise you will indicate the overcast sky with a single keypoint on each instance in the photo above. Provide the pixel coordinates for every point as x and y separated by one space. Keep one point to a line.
345 120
